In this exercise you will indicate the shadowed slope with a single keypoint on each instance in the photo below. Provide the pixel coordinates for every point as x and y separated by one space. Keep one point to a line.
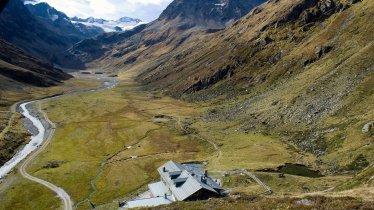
17 65
174 26
37 36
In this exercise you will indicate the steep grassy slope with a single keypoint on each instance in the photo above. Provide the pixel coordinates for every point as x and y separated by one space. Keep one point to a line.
175 25
17 65
301 71
305 73
290 83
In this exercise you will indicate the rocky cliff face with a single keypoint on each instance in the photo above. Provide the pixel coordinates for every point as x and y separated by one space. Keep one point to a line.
60 23
3 4
56 21
249 40
170 30
208 13
38 36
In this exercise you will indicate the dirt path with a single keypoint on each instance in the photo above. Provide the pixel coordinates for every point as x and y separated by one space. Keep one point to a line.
49 132
215 146
22 169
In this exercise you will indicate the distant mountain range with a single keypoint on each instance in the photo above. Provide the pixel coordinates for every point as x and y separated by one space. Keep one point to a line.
175 26
46 33
38 36
122 24
208 13
90 26
51 16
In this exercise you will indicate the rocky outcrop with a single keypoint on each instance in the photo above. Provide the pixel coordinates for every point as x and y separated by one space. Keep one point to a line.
309 11
209 13
61 23
39 36
319 52
368 127
225 72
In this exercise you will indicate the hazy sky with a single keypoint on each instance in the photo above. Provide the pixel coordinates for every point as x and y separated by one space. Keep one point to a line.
146 10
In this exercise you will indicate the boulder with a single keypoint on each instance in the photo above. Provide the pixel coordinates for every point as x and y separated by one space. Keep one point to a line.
320 51
368 127
264 41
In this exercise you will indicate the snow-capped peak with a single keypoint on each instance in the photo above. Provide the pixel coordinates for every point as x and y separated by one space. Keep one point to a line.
122 24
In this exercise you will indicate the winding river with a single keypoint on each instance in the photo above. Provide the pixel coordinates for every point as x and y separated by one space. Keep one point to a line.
36 141
40 135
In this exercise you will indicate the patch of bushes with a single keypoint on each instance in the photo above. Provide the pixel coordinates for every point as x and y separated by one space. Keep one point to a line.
53 164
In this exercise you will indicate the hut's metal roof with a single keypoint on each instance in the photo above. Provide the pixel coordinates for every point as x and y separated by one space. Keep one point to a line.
190 180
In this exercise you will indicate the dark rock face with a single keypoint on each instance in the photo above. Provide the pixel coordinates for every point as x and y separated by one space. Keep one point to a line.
55 20
224 72
319 51
93 48
61 23
89 31
211 13
39 36
27 69
321 10
264 41
3 4
368 127
118 29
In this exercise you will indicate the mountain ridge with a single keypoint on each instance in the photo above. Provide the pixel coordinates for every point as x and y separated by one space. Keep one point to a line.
122 24
18 66
294 75
289 75
170 32
52 38
43 42
213 14
62 22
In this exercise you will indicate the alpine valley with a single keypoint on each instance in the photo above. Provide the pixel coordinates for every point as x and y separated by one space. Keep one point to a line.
272 100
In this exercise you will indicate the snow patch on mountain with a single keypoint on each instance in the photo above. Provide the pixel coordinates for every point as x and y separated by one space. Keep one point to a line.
122 24
33 2
54 17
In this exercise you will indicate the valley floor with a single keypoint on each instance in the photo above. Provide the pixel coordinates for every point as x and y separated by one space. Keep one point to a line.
108 144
